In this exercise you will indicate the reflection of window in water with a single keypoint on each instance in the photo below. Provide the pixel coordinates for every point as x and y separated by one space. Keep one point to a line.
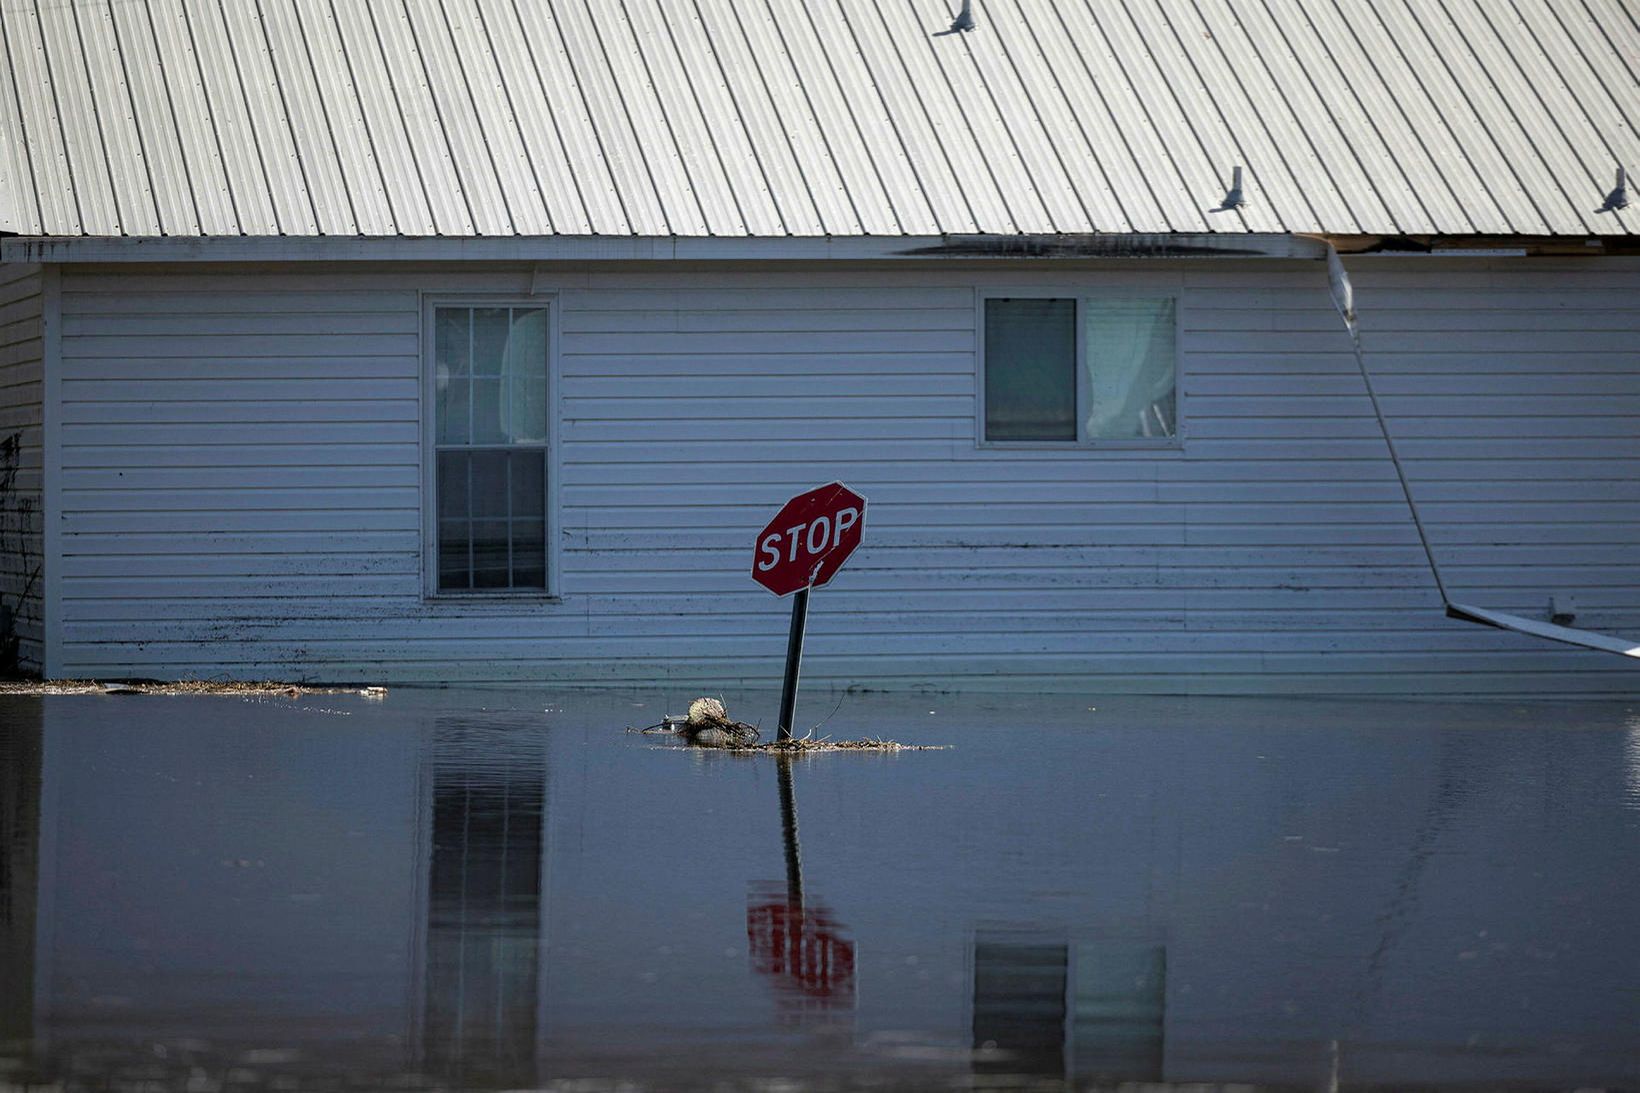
1019 1007
484 907
1089 1011
20 752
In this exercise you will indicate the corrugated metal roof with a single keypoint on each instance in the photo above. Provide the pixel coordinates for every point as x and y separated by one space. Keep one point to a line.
774 118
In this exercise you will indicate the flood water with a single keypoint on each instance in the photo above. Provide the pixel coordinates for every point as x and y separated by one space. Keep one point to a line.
504 890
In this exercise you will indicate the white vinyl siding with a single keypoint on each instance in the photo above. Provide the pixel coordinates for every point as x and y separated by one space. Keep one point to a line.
22 377
242 480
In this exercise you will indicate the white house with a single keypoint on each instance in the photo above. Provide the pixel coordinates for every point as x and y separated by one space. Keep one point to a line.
470 340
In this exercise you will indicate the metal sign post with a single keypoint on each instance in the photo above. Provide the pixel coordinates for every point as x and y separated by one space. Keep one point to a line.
794 658
801 549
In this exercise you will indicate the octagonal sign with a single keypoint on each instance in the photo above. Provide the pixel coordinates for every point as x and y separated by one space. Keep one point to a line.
809 540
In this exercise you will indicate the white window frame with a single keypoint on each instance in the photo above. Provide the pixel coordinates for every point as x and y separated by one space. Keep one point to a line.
430 303
1083 441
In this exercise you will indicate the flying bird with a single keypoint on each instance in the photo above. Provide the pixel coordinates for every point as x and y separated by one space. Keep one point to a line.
965 18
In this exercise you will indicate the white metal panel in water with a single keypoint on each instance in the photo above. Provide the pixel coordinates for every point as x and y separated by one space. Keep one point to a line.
241 480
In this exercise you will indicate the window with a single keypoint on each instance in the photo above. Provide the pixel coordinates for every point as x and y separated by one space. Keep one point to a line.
1080 370
490 448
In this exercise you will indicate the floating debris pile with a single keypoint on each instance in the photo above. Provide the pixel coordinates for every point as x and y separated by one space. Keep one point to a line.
708 725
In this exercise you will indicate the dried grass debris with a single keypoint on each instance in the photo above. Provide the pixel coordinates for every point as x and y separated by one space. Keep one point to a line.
220 688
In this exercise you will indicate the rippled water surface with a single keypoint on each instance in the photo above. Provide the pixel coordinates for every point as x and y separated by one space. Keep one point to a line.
502 890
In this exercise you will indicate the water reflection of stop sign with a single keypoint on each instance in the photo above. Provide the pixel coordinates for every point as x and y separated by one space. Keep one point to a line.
809 539
802 949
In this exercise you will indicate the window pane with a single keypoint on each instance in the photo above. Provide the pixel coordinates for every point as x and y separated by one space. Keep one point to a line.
452 341
450 369
453 422
528 484
1129 354
1030 369
526 368
487 409
489 485
452 485
529 554
454 571
489 340
490 554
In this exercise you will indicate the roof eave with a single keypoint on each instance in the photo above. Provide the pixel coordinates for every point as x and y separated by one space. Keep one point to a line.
184 249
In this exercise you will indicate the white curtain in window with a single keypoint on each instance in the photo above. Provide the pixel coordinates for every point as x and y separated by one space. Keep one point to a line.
524 410
1128 352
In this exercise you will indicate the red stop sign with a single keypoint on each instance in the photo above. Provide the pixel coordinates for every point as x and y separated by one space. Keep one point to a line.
809 540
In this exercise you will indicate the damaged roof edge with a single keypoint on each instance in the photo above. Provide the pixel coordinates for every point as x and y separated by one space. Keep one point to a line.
815 249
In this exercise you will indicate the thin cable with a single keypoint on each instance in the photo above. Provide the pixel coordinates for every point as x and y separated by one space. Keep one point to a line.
1343 294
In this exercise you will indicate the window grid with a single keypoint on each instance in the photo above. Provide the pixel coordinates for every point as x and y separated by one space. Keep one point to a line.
510 520
469 520
1083 392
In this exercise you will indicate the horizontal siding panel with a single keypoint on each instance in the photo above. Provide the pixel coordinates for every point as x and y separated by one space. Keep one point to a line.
197 544
297 411
1461 364
118 522
299 432
797 321
1459 321
223 500
242 469
245 620
249 455
917 461
252 567
1297 651
818 427
92 296
608 660
640 407
914 499
1409 431
894 340
1411 385
258 479
239 345
730 389
356 367
777 361
263 326
338 389
1375 341
625 292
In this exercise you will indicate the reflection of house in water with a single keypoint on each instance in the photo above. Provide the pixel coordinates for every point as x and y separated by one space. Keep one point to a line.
482 979
1091 1011
372 926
